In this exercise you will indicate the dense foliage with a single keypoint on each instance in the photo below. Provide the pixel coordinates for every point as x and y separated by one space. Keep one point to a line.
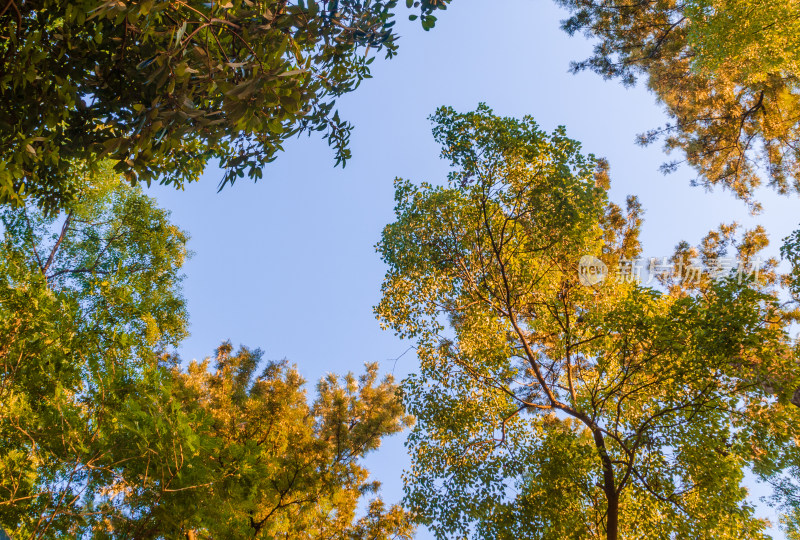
163 86
103 435
725 71
758 38
550 408
558 396
270 464
88 302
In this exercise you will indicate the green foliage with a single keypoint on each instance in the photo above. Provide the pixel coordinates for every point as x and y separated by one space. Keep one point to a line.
88 300
241 453
104 436
756 38
264 462
551 409
162 87
790 250
725 70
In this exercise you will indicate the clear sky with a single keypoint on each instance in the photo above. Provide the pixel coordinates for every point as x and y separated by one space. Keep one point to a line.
289 264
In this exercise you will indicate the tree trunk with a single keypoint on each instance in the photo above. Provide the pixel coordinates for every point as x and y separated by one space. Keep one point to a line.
609 487
612 517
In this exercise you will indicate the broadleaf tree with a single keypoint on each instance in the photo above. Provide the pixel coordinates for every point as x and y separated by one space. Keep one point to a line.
89 301
552 407
163 86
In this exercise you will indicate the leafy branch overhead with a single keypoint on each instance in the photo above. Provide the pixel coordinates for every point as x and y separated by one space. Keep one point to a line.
726 72
162 87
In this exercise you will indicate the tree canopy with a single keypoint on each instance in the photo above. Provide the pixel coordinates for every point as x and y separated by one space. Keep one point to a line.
89 300
726 73
269 463
551 408
162 87
104 435
558 395
755 38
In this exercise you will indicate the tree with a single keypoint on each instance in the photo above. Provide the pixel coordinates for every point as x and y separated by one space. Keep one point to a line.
261 460
725 70
162 87
88 302
552 407
754 38
103 435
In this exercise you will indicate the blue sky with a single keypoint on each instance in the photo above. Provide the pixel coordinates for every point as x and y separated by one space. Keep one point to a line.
288 264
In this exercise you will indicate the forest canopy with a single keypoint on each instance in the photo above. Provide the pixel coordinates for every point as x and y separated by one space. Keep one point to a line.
161 88
555 395
724 70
